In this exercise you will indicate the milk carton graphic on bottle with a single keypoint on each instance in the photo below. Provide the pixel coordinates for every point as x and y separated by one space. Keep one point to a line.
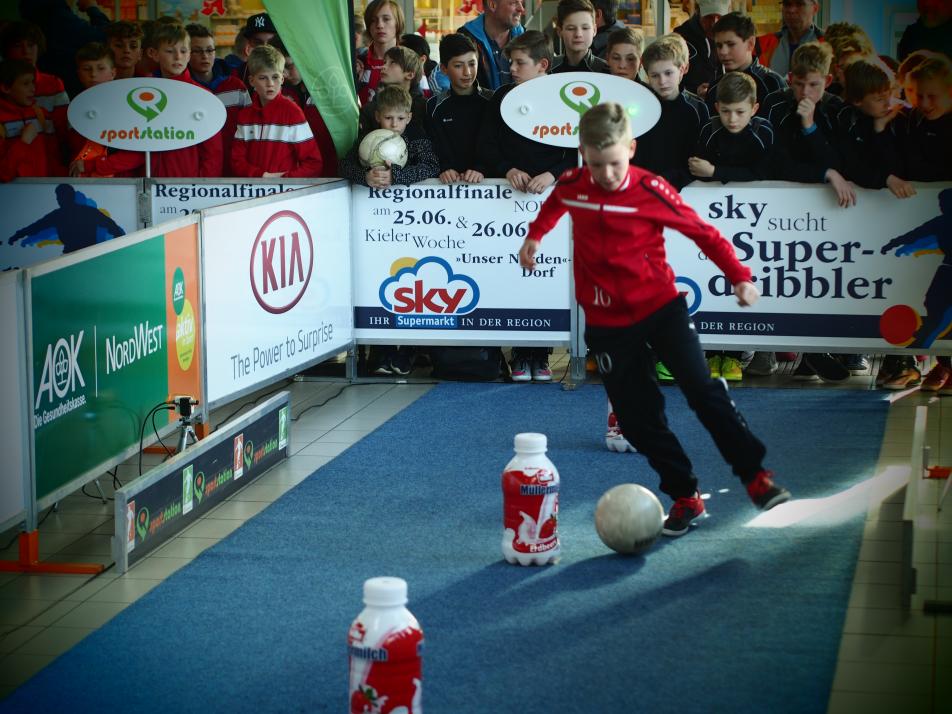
530 495
385 644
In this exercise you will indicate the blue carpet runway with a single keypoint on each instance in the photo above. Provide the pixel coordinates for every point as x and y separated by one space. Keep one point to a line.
725 619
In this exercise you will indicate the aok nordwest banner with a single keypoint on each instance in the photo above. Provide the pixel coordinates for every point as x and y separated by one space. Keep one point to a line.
112 335
873 277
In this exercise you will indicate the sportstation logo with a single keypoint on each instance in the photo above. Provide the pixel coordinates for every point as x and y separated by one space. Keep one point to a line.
147 101
577 96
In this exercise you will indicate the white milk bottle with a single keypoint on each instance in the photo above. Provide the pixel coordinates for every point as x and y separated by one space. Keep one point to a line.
530 504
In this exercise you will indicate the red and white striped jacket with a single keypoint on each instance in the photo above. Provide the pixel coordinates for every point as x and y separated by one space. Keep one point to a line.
621 271
233 93
39 158
52 98
274 138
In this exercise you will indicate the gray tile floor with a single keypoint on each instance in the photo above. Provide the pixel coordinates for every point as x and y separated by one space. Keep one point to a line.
890 660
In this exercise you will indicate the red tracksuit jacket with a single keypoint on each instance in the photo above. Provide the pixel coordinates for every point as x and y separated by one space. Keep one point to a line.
621 272
52 98
274 138
39 158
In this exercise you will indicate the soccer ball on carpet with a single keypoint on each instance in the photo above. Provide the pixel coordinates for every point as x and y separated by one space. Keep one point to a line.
628 518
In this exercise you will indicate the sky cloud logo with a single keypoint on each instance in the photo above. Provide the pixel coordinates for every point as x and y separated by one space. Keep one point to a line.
147 101
427 293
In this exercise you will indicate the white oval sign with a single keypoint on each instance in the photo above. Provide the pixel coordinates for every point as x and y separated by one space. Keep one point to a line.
146 114
548 109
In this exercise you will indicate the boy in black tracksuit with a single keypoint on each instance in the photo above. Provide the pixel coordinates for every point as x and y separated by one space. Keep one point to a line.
734 38
454 116
528 165
867 130
735 145
575 22
925 135
666 147
804 123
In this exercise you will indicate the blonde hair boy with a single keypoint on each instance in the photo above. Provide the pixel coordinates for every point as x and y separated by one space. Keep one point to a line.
265 58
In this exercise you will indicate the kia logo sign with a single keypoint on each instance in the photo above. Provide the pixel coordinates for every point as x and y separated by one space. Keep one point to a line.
282 259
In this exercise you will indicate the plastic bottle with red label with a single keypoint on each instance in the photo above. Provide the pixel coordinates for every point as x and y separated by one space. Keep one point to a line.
385 645
530 498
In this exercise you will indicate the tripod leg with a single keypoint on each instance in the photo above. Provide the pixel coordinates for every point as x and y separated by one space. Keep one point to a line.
102 496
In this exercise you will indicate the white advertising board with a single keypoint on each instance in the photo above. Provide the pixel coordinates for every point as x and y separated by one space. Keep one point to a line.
548 109
13 434
170 199
874 277
277 276
46 218
438 264
146 114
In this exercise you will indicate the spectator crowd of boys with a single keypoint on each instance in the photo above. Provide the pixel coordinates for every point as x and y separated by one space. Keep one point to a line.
802 104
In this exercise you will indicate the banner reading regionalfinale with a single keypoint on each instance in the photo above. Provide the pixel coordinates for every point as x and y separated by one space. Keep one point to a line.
112 336
440 263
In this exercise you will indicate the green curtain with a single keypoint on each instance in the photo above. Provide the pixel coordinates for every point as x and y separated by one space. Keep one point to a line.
317 34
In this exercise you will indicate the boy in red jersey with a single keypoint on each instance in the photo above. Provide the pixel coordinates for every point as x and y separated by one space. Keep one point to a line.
25 41
633 310
28 145
272 138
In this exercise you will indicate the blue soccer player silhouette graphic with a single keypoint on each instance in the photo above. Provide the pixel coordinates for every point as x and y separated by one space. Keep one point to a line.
933 236
76 224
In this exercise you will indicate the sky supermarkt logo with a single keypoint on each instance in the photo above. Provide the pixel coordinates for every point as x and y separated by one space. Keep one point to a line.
426 293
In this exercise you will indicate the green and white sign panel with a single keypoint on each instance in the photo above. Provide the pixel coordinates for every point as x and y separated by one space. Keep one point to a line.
112 335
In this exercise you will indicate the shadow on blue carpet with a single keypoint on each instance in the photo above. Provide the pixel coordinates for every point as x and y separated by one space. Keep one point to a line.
726 619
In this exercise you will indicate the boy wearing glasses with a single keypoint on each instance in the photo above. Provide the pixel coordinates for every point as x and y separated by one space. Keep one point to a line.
218 78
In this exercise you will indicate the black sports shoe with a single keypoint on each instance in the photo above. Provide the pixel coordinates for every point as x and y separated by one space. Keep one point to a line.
765 493
684 510
827 367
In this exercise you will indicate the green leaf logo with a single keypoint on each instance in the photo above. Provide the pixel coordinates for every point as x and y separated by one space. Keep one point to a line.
142 523
147 101
580 96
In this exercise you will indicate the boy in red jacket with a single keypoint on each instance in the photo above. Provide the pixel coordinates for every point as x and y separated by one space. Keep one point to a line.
28 145
25 41
169 47
633 311
273 138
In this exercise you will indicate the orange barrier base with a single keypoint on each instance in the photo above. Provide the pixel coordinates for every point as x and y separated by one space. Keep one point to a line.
939 472
29 561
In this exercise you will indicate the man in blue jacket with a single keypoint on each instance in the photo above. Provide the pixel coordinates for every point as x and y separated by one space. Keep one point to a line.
500 22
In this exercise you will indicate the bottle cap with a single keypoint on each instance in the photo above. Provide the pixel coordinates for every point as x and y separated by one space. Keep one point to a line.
385 591
530 441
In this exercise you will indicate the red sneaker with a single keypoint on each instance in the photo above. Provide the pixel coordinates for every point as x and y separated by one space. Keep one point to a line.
765 493
684 510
